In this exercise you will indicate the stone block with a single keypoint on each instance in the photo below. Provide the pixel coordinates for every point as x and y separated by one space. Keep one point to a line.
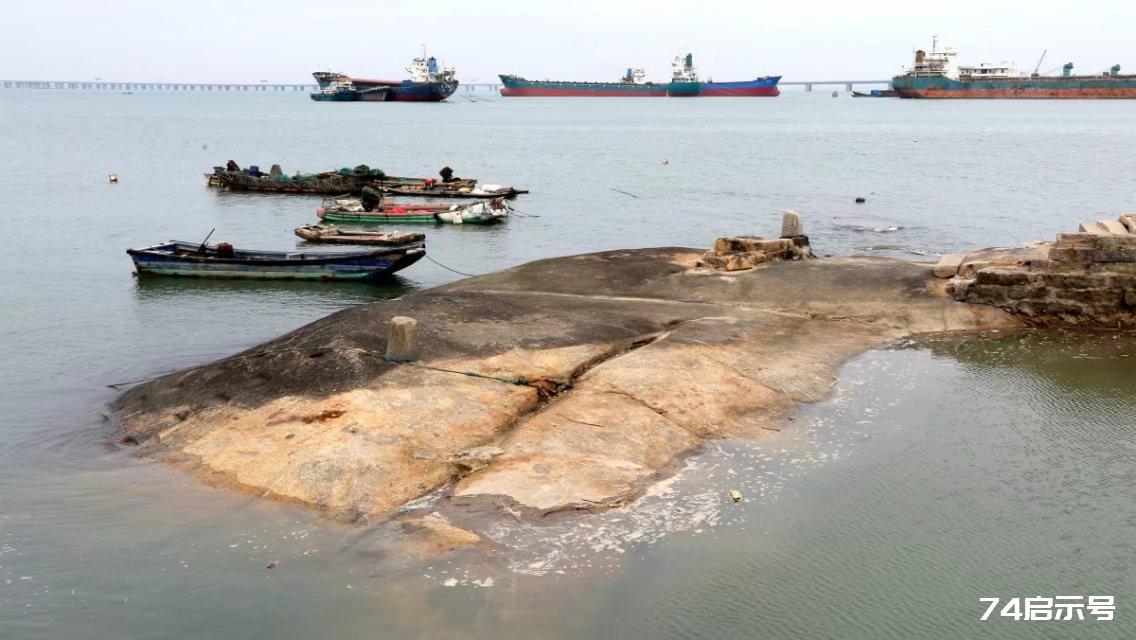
792 225
1125 242
1113 256
948 266
714 260
1002 277
1070 254
1129 222
749 243
968 269
1114 227
1076 240
1089 227
958 287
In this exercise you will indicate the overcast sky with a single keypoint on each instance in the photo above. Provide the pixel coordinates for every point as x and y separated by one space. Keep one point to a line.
285 40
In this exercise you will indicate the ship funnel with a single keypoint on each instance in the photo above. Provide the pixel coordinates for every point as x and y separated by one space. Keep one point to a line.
1067 69
920 55
689 60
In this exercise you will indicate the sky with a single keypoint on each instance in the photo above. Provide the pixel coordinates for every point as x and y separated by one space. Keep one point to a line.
285 40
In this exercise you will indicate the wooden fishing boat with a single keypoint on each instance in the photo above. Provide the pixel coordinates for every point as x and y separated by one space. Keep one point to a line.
451 190
178 258
327 182
351 211
333 234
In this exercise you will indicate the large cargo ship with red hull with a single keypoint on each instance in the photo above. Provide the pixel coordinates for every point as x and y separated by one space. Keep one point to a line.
937 74
684 83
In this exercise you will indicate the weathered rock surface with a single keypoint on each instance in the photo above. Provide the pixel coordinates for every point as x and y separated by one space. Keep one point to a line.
561 384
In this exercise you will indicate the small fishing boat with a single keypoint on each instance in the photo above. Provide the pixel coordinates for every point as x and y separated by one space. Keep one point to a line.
351 210
199 260
451 190
333 234
876 93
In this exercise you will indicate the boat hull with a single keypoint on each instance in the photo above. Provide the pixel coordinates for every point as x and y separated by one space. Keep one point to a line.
330 183
334 235
759 88
410 217
684 89
514 86
336 96
405 91
162 260
487 212
1039 88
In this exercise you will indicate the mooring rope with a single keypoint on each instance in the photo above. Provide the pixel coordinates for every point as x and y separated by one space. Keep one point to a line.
460 273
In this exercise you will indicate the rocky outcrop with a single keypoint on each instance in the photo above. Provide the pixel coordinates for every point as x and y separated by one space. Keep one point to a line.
561 384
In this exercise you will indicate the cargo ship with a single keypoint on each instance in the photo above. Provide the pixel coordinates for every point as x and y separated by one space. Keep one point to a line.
758 87
684 83
937 74
428 82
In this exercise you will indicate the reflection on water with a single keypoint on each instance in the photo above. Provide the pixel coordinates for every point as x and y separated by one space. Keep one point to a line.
276 292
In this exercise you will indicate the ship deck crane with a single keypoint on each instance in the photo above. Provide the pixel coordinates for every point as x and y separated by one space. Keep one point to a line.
1039 61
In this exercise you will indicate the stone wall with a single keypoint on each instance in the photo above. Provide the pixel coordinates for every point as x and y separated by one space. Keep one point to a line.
1086 279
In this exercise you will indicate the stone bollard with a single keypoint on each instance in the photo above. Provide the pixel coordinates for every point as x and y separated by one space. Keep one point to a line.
791 225
401 339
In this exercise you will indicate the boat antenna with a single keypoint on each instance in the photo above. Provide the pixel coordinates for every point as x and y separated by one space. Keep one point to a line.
934 43
201 249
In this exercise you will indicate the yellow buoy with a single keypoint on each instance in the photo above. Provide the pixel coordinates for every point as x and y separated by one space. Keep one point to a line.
736 495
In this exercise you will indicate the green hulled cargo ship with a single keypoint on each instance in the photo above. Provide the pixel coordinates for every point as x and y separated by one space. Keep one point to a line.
937 74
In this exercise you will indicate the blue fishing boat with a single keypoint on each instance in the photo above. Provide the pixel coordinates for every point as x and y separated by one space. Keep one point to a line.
197 260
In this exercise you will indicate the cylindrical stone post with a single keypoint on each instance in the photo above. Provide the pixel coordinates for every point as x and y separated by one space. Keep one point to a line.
791 225
401 339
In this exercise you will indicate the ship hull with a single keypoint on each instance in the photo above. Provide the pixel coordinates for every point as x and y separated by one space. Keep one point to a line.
519 87
410 92
684 89
365 90
337 96
762 87
1039 88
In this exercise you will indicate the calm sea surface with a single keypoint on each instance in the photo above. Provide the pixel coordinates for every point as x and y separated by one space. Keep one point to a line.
938 474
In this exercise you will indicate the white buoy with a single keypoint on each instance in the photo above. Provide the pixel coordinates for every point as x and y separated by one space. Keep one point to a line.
665 161
112 176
